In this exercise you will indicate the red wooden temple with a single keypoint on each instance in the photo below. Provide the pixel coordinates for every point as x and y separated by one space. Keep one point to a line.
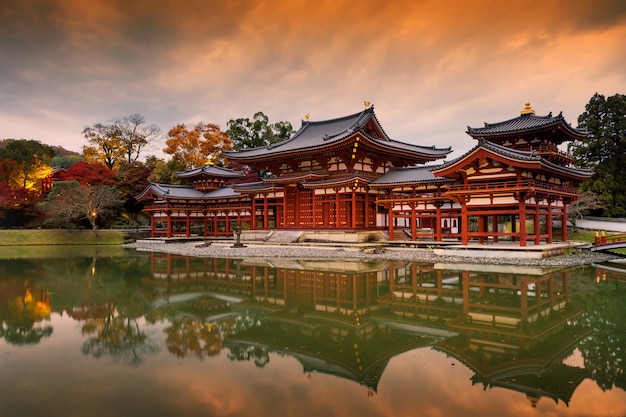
345 179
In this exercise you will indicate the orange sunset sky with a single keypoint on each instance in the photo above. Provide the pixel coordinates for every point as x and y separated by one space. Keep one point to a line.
431 68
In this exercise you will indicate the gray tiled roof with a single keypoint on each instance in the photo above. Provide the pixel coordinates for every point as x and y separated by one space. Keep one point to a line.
211 170
412 174
527 156
525 122
186 192
322 133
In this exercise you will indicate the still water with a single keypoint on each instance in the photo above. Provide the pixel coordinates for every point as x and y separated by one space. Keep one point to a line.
115 332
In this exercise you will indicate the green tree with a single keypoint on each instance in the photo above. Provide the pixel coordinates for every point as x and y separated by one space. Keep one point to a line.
258 132
164 172
604 150
32 158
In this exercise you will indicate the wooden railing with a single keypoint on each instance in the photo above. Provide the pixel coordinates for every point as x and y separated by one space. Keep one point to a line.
510 186
603 239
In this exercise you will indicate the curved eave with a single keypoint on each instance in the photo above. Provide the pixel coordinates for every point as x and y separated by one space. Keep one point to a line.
435 181
294 178
520 159
210 171
256 188
389 147
519 125
338 182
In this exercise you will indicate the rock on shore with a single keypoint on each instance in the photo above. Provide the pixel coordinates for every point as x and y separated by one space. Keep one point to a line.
225 250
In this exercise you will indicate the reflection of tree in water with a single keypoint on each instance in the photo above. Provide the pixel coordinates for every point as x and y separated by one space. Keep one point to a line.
198 327
20 315
244 352
605 352
190 336
118 334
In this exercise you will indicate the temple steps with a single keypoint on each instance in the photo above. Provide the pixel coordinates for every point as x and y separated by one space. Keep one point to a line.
284 236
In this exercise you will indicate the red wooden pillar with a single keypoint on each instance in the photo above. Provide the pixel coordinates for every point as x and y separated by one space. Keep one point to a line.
188 223
549 221
152 224
353 211
564 225
522 223
169 224
413 221
482 228
314 209
494 224
537 227
266 223
464 224
297 208
204 223
391 221
253 213
337 216
367 209
438 231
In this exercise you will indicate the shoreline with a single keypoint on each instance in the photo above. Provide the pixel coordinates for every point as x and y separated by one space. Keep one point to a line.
576 257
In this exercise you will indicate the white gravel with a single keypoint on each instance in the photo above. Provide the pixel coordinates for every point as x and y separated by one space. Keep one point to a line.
302 251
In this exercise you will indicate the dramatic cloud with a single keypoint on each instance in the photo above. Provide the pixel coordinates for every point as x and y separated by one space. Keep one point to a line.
431 68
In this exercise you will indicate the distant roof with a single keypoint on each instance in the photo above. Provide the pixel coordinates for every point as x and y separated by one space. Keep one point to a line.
211 171
517 155
527 121
408 175
185 192
322 133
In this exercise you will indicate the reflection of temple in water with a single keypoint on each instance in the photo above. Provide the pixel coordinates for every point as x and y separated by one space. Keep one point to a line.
350 319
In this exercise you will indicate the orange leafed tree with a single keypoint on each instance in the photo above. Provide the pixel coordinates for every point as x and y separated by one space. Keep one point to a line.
198 145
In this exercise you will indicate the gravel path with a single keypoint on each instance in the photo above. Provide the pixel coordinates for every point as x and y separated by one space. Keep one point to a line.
224 250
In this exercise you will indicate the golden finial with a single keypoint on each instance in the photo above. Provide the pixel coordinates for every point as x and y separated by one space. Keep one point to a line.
306 116
367 103
527 109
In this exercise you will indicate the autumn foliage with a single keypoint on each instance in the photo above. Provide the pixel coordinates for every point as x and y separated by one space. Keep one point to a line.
89 174
198 145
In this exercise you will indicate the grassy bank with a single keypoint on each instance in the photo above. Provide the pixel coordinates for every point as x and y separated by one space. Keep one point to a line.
61 237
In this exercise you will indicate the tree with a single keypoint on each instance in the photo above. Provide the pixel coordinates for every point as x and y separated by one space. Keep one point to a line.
31 156
258 132
18 205
122 140
89 173
162 172
197 146
604 150
106 145
135 135
70 201
131 180
587 202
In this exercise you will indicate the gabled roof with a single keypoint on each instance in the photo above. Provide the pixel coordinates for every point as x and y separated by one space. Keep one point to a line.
256 187
526 122
515 156
321 134
410 175
211 171
184 192
354 178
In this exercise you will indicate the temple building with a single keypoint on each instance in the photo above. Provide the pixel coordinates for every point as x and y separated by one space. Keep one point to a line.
346 180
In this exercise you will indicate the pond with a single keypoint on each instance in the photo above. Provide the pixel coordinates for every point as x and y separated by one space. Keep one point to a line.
117 332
